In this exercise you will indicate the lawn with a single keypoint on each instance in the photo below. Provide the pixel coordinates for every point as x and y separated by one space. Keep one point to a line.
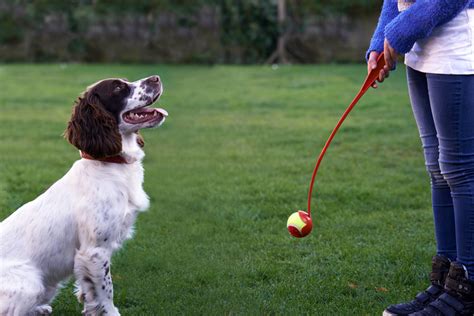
225 171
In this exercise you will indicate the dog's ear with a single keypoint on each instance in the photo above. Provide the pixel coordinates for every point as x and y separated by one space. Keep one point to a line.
140 140
92 129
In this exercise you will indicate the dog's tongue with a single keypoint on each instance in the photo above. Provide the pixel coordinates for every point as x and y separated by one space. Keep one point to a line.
162 111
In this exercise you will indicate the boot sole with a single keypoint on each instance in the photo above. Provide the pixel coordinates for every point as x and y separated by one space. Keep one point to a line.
387 313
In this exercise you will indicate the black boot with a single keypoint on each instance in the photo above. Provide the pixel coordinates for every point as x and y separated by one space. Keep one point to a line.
439 271
458 298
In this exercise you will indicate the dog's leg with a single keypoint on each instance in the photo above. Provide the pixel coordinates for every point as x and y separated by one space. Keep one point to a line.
78 292
92 271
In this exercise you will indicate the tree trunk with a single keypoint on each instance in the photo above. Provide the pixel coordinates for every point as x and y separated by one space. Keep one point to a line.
282 40
279 55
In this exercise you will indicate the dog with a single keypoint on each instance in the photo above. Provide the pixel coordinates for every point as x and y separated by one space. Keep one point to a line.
74 227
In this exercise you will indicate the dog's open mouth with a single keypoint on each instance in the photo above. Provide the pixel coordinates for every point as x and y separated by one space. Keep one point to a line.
145 115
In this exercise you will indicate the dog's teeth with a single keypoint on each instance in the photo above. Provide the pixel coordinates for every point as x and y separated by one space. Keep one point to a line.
155 114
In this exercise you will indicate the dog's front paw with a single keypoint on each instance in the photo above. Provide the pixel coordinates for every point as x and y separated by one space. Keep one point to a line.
101 310
42 310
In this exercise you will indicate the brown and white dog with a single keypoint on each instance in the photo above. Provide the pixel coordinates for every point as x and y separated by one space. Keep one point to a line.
74 227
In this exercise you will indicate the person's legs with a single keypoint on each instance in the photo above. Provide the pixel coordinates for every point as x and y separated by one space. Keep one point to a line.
441 197
440 192
452 103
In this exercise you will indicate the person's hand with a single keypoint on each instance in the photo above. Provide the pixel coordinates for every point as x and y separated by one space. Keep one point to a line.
372 64
390 55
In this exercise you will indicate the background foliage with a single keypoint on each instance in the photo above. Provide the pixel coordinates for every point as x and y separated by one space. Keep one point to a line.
153 6
236 31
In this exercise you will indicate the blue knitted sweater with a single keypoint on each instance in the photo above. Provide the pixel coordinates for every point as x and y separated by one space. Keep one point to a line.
403 29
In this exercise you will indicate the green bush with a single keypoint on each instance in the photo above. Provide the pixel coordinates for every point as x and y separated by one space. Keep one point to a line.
248 28
351 7
11 30
153 6
251 25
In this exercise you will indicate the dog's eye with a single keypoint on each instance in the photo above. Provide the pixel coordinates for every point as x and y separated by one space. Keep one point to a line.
118 89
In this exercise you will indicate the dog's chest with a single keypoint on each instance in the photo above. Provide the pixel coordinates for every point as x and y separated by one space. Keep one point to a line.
137 198
136 201
116 197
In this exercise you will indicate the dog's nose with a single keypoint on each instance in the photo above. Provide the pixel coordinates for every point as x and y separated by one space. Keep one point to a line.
154 79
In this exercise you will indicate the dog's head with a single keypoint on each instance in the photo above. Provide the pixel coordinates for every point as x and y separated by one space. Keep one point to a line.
110 108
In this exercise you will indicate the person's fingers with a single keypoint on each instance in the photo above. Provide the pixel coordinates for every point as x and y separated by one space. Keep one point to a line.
372 61
381 75
384 75
372 64
387 56
392 58
394 55
390 55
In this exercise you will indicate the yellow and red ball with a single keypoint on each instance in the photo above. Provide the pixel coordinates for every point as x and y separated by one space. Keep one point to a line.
299 224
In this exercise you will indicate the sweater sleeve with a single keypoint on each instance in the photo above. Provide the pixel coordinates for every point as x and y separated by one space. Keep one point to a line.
389 12
419 20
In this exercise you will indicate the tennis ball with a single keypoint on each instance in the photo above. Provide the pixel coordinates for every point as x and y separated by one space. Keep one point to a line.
299 224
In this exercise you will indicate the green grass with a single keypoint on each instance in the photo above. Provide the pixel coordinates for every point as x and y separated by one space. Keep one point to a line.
225 171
